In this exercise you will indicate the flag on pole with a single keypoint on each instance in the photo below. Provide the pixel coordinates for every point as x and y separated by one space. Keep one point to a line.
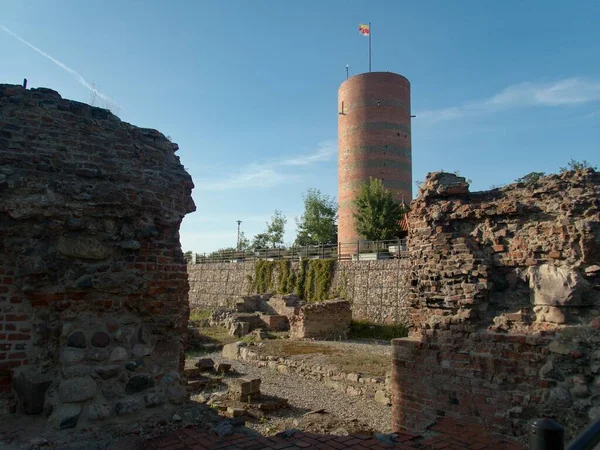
364 29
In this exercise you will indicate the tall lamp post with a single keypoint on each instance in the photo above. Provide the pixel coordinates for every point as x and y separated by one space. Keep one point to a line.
238 237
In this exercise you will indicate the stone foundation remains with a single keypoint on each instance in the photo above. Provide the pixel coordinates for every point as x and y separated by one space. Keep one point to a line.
354 384
324 320
93 283
504 305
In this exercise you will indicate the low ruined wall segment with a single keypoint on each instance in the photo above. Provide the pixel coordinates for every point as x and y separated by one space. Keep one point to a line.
504 305
377 290
93 283
324 320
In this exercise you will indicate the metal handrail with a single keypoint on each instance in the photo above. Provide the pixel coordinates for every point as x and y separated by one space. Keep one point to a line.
588 439
392 249
547 434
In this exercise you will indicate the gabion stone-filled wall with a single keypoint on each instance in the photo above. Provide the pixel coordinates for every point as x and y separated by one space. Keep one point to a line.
376 290
93 283
504 305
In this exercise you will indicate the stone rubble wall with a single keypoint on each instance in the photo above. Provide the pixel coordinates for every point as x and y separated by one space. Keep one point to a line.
377 290
93 283
359 385
504 305
324 320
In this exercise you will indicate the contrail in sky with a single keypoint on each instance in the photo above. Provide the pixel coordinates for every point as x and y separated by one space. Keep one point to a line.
66 68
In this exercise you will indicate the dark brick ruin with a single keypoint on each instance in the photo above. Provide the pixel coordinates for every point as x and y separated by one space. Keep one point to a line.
504 305
93 284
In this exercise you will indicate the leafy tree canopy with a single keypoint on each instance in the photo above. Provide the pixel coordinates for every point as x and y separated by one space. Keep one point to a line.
272 237
377 214
318 224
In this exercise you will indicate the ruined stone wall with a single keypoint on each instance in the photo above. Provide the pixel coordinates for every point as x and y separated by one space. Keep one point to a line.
377 290
504 305
323 320
93 284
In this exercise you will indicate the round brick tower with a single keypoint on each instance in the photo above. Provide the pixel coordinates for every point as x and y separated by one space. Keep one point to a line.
373 141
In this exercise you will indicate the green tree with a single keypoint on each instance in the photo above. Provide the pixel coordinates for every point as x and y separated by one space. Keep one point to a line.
577 165
318 224
188 256
377 215
244 243
531 178
272 237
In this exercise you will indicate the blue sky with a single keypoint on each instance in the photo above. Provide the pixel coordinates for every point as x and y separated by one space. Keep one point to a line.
248 88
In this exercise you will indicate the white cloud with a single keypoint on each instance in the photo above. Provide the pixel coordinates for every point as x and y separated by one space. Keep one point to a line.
266 175
325 150
66 68
571 91
252 176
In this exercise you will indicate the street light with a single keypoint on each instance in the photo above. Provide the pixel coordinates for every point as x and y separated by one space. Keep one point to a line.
238 238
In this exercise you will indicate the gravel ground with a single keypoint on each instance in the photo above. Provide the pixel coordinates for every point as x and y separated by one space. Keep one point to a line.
306 395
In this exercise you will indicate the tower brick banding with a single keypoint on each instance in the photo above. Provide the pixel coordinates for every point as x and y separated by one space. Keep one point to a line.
374 140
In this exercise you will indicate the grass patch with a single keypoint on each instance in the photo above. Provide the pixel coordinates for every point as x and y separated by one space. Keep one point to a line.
363 363
347 361
361 329
217 335
287 347
200 314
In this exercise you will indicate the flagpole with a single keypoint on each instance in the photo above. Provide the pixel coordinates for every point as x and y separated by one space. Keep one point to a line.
369 46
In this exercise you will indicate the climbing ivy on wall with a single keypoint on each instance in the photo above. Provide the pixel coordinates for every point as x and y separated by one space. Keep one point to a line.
286 277
311 284
263 276
318 279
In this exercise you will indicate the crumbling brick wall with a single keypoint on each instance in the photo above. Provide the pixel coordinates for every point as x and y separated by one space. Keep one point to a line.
504 305
93 284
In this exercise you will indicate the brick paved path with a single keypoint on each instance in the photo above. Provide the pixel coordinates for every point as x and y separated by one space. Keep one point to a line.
447 435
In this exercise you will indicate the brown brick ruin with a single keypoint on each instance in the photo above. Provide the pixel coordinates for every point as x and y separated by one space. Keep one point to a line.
504 305
93 283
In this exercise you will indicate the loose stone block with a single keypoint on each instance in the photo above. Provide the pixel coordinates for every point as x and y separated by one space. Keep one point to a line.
244 389
231 351
223 368
383 398
205 364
